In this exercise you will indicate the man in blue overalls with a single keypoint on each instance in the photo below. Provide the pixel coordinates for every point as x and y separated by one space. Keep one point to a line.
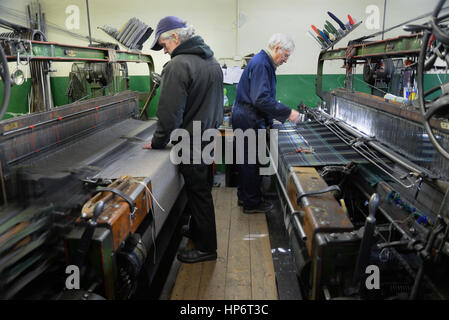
255 108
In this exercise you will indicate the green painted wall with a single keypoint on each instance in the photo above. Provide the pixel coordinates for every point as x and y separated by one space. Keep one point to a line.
59 88
291 90
18 102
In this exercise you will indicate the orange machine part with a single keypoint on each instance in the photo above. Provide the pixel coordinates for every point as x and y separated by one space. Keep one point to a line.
116 215
323 214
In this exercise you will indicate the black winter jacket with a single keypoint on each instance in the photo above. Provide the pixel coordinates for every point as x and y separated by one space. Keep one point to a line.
191 89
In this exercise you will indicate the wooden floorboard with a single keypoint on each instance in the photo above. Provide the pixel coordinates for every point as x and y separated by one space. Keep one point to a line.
185 288
213 277
238 275
244 266
263 283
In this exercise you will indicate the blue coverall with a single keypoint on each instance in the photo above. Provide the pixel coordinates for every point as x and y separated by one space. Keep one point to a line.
255 108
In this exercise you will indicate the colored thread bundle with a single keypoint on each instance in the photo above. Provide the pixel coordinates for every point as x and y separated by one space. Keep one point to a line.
395 198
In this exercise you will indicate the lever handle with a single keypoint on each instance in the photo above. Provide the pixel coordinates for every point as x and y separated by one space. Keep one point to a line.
98 210
416 27
373 204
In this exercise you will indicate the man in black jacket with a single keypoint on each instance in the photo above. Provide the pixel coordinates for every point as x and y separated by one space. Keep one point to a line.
191 96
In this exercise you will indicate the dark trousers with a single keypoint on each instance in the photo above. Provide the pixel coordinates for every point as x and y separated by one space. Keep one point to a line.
198 185
249 178
249 183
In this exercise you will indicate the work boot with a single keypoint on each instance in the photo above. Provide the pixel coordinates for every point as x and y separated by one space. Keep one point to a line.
195 255
185 231
263 207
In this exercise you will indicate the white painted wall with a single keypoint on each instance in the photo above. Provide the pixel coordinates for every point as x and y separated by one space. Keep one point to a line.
296 17
216 21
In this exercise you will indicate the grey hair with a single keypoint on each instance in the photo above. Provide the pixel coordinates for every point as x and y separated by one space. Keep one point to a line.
183 33
283 40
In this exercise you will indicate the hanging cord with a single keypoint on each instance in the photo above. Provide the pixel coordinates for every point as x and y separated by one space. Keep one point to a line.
148 193
373 87
147 190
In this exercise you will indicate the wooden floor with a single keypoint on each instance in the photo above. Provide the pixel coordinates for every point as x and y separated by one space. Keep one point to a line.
244 267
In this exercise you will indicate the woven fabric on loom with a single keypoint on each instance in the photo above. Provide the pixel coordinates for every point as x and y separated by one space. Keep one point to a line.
327 149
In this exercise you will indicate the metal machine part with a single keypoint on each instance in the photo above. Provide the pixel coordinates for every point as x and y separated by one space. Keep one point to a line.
438 107
323 219
367 146
4 74
367 241
59 160
111 210
127 202
379 75
373 117
104 71
130 261
393 241
132 35
41 97
45 202
91 80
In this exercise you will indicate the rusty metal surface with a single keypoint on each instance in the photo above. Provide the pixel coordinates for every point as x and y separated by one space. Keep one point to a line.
30 135
111 153
117 214
397 127
62 173
321 213
401 45
390 107
24 121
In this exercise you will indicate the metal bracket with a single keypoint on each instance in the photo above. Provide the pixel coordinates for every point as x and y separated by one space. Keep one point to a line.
132 207
133 213
312 193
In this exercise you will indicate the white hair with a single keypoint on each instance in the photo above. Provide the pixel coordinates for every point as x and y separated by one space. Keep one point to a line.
183 33
283 40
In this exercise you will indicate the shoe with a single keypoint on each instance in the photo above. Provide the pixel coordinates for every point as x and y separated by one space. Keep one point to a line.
194 255
185 231
240 203
263 207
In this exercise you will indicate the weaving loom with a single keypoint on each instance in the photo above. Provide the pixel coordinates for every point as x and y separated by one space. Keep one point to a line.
364 182
90 146
327 170
324 158
78 190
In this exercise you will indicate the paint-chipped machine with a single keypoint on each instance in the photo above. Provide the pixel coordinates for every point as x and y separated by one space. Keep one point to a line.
364 180
78 192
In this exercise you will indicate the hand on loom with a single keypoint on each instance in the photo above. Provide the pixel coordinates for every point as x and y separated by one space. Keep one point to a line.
147 146
294 116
